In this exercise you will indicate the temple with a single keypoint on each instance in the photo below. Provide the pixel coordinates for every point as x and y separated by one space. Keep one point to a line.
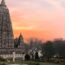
6 33
8 44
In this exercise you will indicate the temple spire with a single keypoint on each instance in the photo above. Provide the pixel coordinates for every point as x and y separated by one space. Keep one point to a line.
3 2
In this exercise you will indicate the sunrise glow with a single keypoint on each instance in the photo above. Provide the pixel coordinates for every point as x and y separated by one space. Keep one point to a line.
42 19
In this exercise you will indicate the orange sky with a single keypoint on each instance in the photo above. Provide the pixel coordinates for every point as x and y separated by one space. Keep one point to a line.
42 19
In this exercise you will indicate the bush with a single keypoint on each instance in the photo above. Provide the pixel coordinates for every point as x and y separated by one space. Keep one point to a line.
2 64
2 59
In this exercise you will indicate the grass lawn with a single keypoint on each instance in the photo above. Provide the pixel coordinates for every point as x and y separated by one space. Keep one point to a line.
50 64
34 63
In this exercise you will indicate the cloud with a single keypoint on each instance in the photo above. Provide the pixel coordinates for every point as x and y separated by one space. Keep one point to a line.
32 4
62 2
24 28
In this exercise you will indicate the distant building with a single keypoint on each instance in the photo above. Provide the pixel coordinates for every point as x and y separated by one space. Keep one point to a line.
19 42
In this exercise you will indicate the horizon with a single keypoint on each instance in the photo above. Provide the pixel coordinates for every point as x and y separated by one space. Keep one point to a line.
42 19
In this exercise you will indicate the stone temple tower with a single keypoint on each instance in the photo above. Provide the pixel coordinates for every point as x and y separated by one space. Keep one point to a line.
6 33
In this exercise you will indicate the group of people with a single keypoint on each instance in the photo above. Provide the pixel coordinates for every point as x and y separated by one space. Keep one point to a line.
33 56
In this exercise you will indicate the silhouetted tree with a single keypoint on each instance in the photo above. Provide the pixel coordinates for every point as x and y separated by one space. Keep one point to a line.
48 50
59 46
35 44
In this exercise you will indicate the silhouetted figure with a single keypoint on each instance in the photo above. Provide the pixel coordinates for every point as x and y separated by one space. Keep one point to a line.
36 56
27 57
